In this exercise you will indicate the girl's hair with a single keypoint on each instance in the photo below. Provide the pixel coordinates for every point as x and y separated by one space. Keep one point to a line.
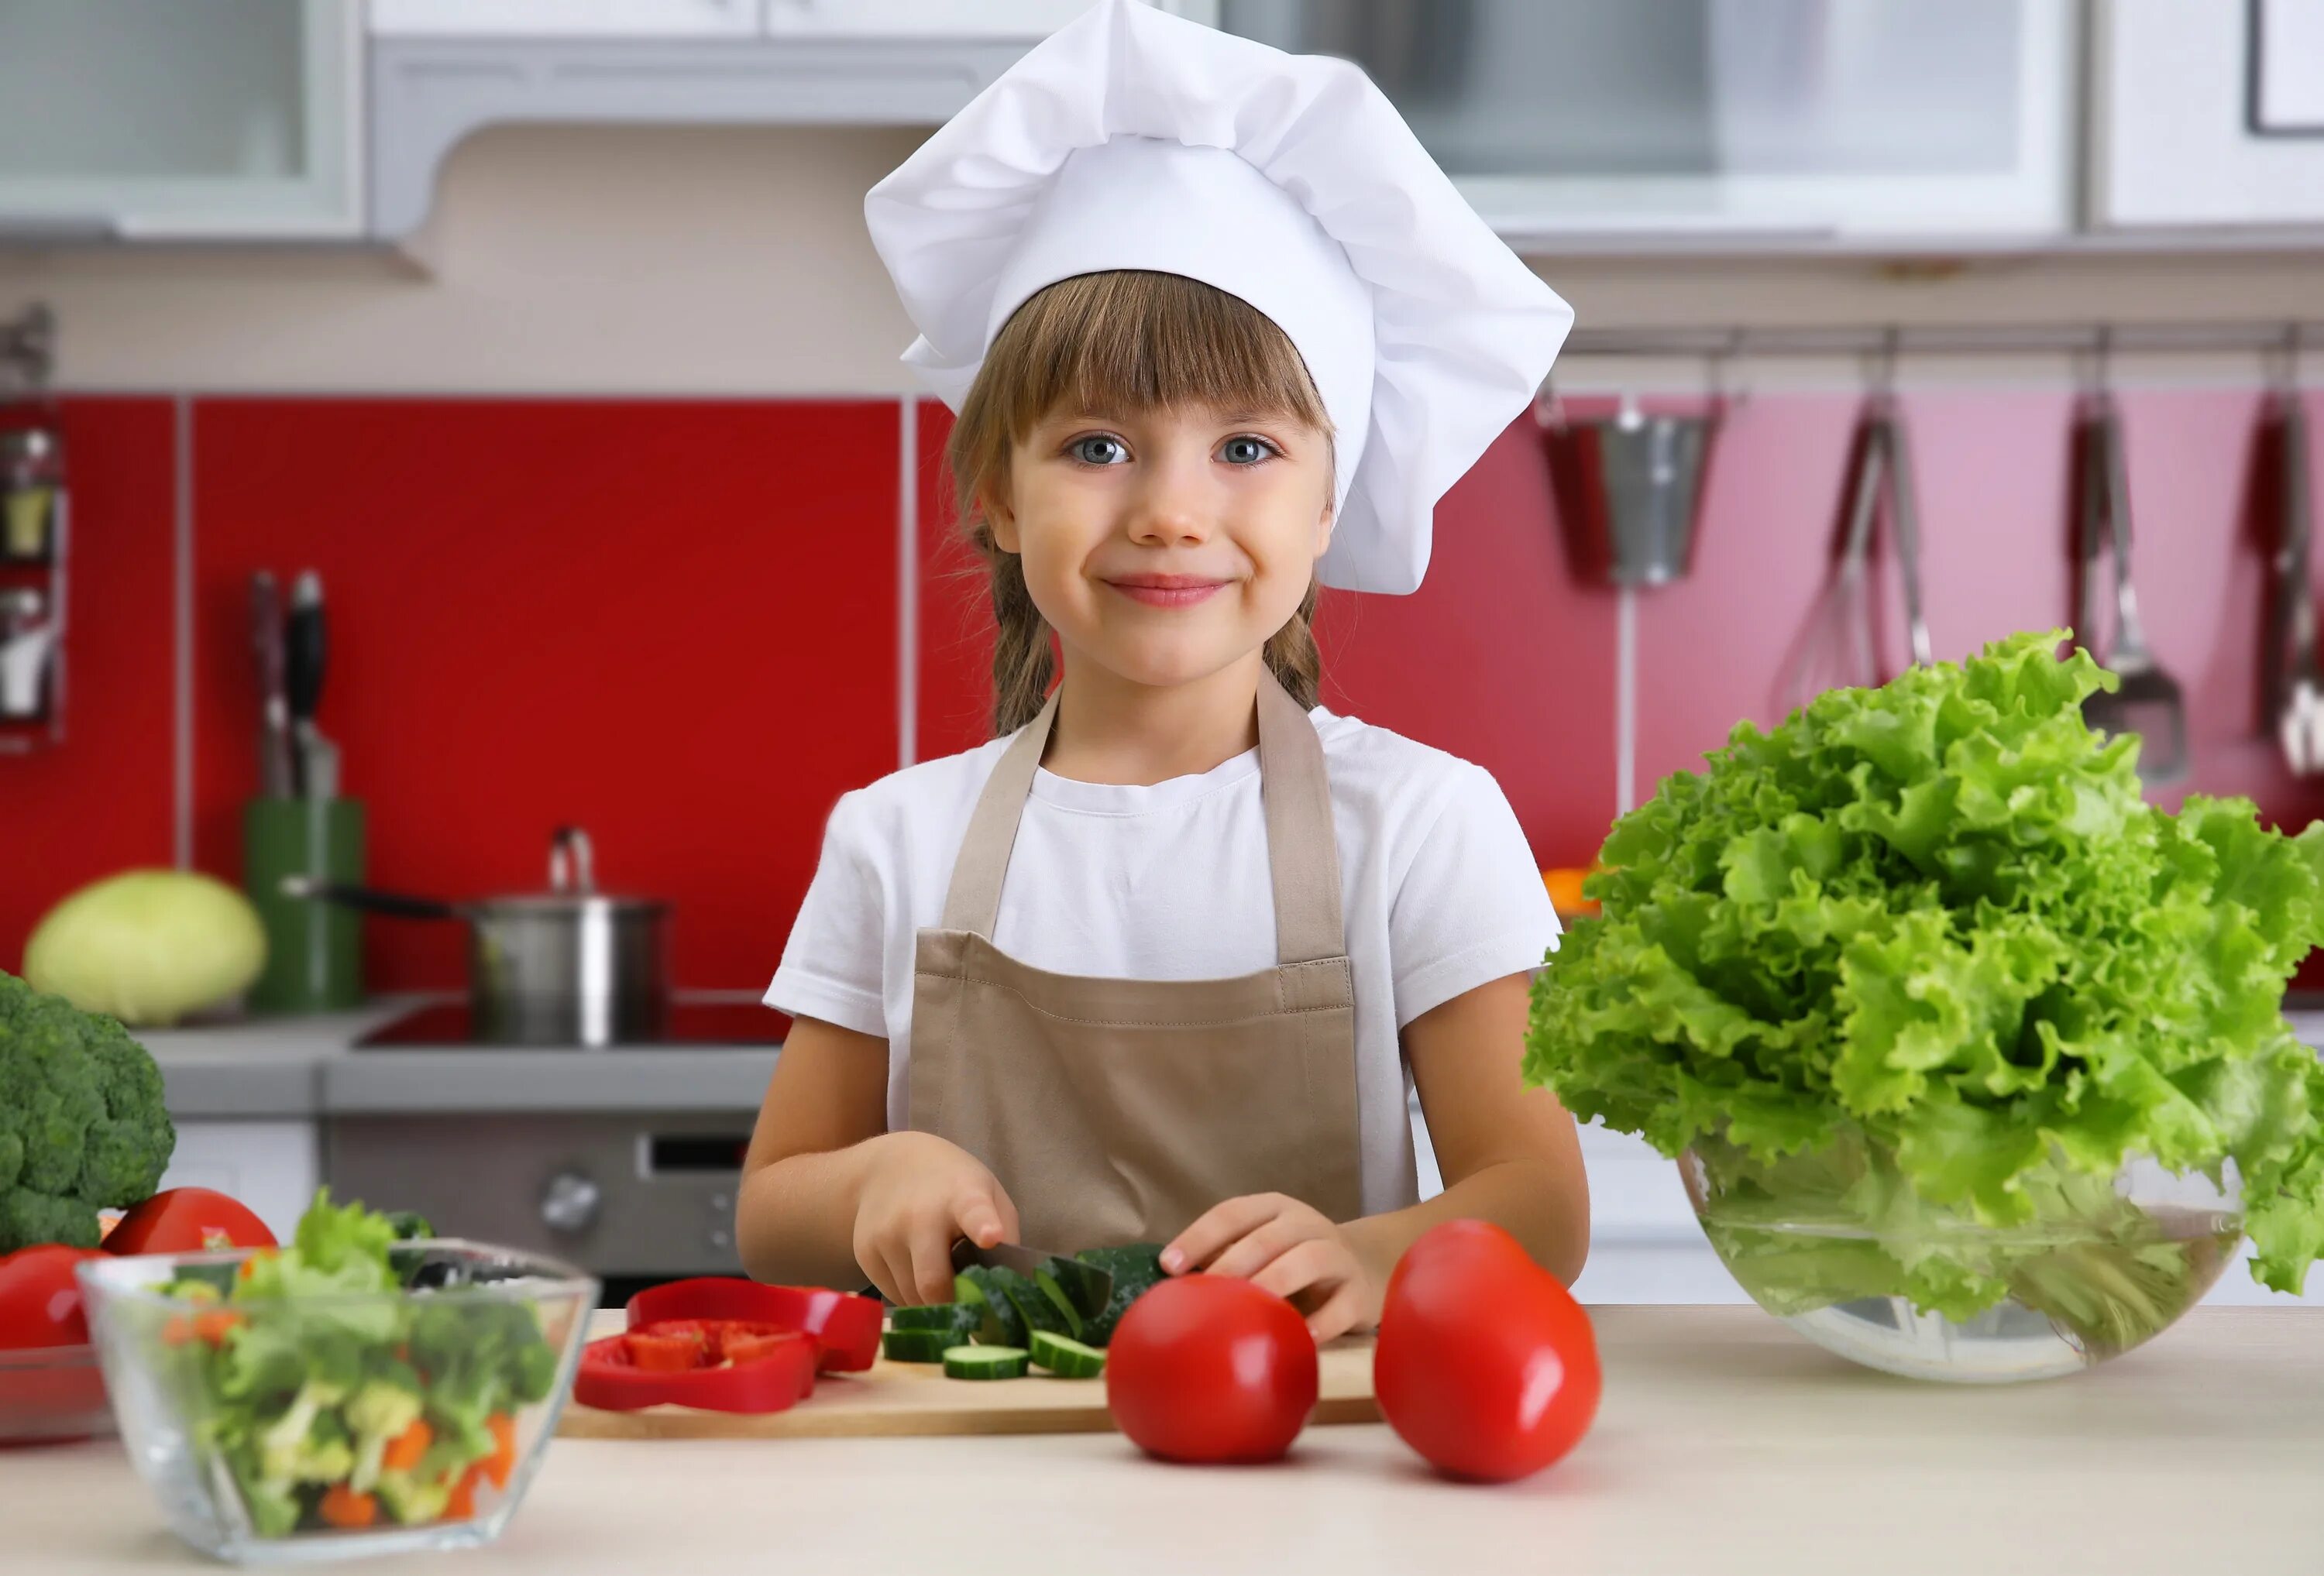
1121 340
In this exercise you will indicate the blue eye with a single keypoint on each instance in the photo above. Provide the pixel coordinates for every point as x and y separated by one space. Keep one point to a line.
1246 451
1099 449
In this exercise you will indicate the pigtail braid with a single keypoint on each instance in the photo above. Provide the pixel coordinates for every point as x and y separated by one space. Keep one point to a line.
1292 655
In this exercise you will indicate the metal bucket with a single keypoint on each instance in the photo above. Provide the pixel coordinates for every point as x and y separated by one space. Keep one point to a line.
1629 485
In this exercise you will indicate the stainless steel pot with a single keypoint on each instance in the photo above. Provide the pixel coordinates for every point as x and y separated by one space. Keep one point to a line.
570 966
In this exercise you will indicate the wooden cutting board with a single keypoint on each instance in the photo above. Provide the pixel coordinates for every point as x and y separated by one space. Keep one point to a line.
916 1398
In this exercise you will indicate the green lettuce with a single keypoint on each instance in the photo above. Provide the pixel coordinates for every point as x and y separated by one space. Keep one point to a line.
1921 964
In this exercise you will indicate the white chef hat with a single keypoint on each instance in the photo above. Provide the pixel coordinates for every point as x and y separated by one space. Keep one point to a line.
1133 139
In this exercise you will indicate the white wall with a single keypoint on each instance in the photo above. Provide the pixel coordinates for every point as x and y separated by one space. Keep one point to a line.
628 260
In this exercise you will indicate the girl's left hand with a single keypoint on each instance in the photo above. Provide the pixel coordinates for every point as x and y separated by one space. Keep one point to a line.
1287 1248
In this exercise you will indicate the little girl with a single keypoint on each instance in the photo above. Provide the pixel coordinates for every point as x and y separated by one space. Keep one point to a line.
1165 958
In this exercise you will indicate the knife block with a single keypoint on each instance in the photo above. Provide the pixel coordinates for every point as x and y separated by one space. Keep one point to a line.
314 950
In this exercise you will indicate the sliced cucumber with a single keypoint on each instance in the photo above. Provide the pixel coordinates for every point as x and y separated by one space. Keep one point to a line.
986 1362
957 1320
1059 1301
1033 1305
1003 1325
1136 1270
1068 1359
917 1345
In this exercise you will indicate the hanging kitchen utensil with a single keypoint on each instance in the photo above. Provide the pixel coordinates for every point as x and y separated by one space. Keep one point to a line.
1839 649
2148 701
1903 520
569 966
1630 488
2295 688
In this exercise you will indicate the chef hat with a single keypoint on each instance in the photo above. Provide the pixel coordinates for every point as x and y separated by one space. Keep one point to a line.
1133 139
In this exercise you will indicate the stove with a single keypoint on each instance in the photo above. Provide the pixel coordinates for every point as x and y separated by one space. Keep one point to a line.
696 1018
637 1188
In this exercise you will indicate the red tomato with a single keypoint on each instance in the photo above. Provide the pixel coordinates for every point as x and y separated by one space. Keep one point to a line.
1486 1365
187 1220
1206 1369
40 1300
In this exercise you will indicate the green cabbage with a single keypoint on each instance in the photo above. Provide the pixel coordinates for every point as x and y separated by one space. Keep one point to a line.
1922 959
148 946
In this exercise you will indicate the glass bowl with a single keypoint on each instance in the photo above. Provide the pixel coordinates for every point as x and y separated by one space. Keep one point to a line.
258 1424
1841 1247
50 1395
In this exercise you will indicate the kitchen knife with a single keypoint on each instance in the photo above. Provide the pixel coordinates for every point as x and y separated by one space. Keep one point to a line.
306 649
274 768
1087 1288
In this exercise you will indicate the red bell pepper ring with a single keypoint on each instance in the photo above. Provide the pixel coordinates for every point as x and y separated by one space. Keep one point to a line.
846 1327
779 1372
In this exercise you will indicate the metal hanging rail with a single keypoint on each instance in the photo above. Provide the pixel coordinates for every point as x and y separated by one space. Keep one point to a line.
2098 340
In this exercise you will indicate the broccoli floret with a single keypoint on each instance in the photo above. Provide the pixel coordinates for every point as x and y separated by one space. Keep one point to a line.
379 1413
411 1498
307 1444
82 1122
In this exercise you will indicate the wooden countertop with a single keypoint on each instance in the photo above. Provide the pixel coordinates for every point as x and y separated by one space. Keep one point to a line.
1726 1444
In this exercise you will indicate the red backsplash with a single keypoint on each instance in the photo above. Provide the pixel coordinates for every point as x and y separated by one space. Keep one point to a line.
674 622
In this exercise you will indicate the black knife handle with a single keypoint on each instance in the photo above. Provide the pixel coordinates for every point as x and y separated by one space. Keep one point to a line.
305 651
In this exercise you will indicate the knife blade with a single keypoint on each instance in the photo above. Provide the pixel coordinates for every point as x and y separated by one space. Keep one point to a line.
1087 1288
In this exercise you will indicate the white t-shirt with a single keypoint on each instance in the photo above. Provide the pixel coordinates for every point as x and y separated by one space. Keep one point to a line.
1171 882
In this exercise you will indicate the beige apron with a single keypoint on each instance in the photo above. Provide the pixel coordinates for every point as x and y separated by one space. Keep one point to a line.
1119 1111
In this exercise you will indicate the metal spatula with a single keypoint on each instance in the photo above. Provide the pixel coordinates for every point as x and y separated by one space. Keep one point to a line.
2298 691
2148 702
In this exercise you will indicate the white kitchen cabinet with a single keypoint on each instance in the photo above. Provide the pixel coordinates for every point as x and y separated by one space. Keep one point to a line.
2207 113
986 19
231 118
273 1168
1799 119
566 18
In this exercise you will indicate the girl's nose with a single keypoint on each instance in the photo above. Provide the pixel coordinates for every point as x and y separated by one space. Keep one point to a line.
1173 505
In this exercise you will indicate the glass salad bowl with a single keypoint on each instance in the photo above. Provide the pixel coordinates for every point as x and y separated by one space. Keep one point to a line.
320 1428
1840 1245
51 1395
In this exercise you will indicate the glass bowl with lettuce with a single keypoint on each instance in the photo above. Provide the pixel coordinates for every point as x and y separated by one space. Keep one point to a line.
1974 1061
363 1389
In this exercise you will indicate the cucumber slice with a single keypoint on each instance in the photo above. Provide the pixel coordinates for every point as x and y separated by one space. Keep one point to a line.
1032 1305
1003 1325
1136 1270
1058 1300
956 1319
1068 1359
985 1362
917 1345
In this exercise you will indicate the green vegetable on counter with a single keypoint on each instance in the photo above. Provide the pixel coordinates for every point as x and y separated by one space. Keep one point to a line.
82 1124
1066 1359
148 946
1920 967
320 1373
908 1345
985 1362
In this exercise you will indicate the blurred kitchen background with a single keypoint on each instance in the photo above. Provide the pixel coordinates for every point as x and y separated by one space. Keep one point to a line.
536 351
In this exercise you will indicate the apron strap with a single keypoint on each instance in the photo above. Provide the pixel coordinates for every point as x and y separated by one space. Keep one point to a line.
972 903
1303 855
1296 791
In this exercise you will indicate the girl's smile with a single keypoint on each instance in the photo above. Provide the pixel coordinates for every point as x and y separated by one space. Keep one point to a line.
1165 590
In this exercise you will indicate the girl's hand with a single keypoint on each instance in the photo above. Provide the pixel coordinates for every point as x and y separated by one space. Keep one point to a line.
1285 1247
918 1194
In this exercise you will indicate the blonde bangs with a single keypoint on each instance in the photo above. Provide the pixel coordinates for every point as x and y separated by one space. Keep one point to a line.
1127 342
